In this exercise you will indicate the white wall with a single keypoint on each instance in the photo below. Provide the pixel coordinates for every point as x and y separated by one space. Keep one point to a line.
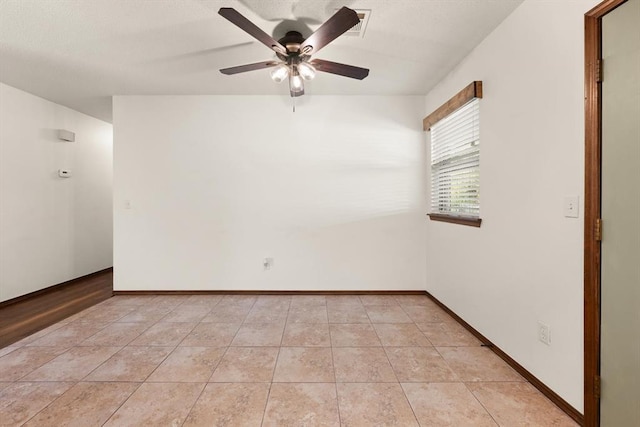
51 229
333 192
524 264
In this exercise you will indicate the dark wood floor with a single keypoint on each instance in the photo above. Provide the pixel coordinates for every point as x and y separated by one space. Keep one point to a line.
22 316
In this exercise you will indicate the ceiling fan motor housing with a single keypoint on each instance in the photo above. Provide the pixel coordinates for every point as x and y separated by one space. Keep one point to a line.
292 42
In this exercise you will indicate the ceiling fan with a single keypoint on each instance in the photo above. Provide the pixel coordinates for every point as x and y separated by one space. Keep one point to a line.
294 51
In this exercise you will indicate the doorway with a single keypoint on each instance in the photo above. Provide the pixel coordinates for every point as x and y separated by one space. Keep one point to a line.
612 214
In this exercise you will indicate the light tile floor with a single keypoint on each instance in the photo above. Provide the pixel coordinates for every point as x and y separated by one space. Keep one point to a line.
241 360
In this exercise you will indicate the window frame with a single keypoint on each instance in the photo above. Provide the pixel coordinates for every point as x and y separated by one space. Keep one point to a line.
470 92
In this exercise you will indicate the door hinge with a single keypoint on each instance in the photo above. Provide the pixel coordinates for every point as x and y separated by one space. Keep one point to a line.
599 71
596 386
598 229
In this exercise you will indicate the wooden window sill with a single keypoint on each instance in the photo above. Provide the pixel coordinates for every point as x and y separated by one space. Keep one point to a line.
462 220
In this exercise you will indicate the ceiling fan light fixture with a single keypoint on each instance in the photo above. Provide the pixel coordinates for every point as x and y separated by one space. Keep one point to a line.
306 70
279 73
295 82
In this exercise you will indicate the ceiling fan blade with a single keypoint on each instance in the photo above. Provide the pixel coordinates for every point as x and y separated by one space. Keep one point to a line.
243 23
340 69
338 24
248 67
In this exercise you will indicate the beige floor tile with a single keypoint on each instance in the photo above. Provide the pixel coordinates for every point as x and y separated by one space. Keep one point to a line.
85 404
146 314
21 401
227 314
266 315
241 359
304 364
238 300
211 335
116 334
73 365
401 334
302 404
387 314
354 335
134 300
379 404
414 300
425 314
168 300
106 314
419 364
157 404
519 404
24 360
310 314
478 364
448 334
188 364
378 300
187 313
306 335
308 300
229 405
164 334
343 300
246 364
39 334
132 364
347 314
204 300
69 335
446 405
362 365
259 334
275 302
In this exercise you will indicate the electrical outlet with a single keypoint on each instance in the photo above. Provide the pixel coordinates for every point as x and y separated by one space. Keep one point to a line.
267 263
571 206
544 333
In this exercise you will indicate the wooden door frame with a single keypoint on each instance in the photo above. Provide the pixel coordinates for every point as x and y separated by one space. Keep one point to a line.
592 212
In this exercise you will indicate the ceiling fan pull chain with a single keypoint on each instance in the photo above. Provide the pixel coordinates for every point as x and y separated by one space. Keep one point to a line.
294 103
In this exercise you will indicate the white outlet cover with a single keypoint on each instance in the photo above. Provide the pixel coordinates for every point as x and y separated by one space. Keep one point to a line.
571 206
544 333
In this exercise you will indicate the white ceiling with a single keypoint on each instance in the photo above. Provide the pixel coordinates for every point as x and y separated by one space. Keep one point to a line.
81 52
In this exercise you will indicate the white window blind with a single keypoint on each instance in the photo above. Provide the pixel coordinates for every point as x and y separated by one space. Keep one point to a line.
455 162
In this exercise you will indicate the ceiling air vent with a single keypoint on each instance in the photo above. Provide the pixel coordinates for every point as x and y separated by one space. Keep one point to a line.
359 29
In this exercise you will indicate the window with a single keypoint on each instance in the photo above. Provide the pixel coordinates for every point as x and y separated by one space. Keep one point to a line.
455 162
455 158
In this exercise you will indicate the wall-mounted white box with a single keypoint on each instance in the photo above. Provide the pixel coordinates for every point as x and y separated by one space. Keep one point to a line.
66 135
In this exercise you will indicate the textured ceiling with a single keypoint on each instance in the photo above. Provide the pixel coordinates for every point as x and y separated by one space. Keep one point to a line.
81 52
